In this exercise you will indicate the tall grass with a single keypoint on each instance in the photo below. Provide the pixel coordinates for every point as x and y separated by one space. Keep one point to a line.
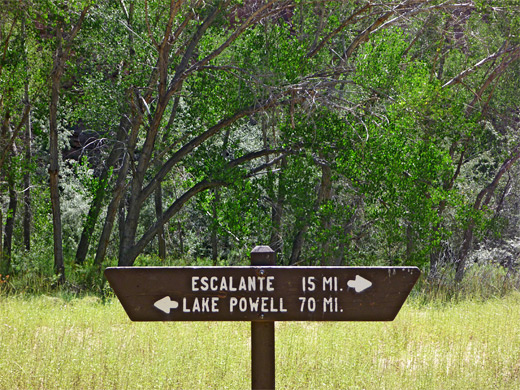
54 343
481 282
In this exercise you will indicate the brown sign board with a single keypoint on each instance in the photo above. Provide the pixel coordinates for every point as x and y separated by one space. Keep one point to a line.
262 293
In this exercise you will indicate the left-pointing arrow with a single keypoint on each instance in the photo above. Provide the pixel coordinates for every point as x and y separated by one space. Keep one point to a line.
166 304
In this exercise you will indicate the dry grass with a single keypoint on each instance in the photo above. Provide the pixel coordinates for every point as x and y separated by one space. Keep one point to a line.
50 343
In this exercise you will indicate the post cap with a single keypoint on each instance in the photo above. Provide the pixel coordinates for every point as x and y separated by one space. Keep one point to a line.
263 255
262 249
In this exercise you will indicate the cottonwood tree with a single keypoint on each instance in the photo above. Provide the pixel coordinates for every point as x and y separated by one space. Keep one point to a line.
497 59
66 27
212 58
213 66
14 111
336 131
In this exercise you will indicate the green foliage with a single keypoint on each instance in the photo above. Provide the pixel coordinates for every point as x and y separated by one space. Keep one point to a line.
274 53
389 124
380 62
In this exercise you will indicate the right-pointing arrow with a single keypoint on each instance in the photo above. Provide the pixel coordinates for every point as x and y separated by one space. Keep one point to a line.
166 304
359 284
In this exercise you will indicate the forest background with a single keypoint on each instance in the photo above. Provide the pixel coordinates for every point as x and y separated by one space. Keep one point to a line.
187 132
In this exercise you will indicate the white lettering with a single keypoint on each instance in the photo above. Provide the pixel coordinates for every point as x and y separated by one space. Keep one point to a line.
282 309
232 303
201 305
330 283
272 309
214 301
204 283
269 286
261 280
205 305
254 304
258 304
311 304
251 283
242 305
308 283
213 283
194 280
227 283
307 304
231 287
264 304
223 285
184 308
196 306
327 304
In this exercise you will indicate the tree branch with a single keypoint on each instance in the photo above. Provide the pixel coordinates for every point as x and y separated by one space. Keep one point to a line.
10 143
364 35
351 19
497 72
167 215
176 206
503 50
75 31
253 18
181 68
197 141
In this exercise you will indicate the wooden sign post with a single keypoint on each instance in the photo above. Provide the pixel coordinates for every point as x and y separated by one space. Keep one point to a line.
262 293
262 334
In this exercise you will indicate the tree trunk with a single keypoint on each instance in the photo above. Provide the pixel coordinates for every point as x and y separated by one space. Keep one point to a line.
9 223
136 199
121 216
1 240
59 265
482 200
337 260
119 193
112 211
27 214
99 196
466 247
4 137
181 239
276 240
324 195
161 241
60 57
91 219
297 245
214 230
125 127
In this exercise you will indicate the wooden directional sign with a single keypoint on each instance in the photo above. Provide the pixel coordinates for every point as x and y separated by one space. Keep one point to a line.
262 293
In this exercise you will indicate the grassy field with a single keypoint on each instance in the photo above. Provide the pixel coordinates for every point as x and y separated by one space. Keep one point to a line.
51 343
